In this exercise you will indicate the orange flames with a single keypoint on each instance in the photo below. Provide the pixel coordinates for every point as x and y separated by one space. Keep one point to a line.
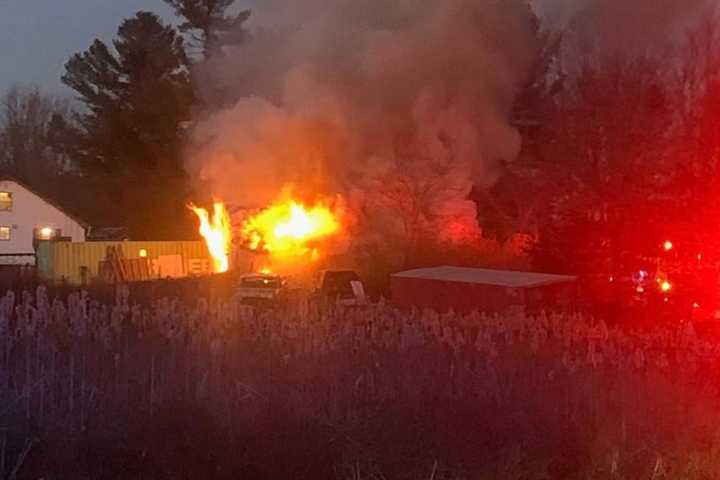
290 229
217 233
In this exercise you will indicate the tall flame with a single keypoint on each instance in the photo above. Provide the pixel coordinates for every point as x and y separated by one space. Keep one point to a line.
289 229
217 234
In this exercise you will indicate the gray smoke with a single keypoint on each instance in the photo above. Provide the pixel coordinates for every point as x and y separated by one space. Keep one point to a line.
353 98
401 106
624 27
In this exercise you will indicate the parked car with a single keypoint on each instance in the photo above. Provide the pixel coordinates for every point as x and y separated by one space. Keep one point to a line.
339 287
262 289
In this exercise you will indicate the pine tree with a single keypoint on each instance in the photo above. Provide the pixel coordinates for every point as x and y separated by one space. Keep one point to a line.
210 23
138 97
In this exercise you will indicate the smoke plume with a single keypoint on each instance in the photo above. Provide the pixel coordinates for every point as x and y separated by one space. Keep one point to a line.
627 27
400 106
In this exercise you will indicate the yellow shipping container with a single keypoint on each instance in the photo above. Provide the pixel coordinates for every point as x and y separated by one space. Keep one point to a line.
78 263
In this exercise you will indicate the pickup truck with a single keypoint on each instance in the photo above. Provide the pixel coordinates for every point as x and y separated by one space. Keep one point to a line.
261 289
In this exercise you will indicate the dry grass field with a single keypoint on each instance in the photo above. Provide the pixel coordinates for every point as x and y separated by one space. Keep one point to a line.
182 387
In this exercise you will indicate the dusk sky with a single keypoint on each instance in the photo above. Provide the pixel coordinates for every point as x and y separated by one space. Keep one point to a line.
38 36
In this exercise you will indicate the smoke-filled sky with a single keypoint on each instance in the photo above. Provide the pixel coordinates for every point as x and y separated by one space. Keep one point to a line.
38 36
395 104
410 97
360 98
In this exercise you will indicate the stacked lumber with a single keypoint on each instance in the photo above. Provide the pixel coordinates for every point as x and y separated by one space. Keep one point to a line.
118 269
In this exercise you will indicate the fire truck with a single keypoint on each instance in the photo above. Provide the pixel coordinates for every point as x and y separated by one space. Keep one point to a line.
676 285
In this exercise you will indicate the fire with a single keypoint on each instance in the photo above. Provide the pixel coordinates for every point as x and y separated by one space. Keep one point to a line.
217 233
290 229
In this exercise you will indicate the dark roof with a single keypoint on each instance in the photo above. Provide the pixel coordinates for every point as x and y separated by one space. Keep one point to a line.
501 278
107 234
6 178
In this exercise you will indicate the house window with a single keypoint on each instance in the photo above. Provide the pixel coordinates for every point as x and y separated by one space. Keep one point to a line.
4 233
6 201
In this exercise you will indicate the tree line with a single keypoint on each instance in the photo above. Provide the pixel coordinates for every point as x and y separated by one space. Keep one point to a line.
123 142
620 147
620 153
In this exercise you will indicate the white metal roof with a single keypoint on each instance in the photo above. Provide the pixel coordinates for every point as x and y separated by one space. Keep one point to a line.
501 278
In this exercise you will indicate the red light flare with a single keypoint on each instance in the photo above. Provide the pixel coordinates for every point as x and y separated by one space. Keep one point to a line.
668 245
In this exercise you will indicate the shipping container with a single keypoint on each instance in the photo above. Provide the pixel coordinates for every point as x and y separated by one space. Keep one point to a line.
464 290
10 259
79 263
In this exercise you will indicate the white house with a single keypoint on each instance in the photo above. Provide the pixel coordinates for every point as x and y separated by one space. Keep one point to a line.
25 216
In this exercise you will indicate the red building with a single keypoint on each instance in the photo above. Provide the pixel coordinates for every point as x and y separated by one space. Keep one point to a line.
469 289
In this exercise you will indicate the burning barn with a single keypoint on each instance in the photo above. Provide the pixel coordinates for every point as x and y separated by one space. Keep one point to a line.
469 289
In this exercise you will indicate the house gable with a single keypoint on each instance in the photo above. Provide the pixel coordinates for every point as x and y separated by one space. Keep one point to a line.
28 213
